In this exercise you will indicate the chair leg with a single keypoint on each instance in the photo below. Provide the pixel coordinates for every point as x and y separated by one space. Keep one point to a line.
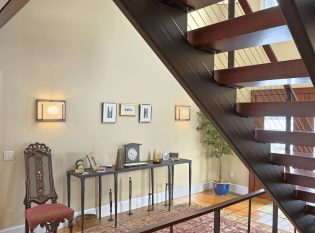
26 227
70 225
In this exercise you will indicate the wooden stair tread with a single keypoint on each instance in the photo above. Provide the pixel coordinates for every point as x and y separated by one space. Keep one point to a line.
294 109
304 178
306 161
280 73
305 138
197 4
255 29
310 209
305 194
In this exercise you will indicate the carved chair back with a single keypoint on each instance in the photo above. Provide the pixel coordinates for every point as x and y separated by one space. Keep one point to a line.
39 177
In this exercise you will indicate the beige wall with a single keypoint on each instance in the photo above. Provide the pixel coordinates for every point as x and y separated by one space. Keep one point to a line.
86 52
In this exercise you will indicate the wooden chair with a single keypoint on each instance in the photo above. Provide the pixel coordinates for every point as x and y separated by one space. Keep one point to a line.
39 189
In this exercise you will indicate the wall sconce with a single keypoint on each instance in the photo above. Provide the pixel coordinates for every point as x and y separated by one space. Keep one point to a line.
50 110
182 113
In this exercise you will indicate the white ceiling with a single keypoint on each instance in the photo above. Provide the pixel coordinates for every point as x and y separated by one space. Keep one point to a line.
2 3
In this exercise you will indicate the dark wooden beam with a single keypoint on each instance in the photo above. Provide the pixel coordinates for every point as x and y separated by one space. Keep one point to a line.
306 161
197 4
299 15
267 48
293 109
255 29
295 138
258 74
10 9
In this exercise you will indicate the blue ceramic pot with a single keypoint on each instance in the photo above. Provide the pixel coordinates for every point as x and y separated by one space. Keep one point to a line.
221 188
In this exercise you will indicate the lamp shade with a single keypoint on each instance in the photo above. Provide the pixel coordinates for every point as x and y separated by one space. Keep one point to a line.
50 110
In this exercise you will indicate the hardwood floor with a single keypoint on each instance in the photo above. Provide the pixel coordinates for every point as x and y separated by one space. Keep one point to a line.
208 198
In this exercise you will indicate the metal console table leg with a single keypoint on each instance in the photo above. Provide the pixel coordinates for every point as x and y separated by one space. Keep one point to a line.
82 201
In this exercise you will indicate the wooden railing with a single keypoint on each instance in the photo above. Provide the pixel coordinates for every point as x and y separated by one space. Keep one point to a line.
170 222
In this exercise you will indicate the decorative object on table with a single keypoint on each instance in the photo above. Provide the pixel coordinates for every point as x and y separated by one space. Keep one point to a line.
135 164
145 113
79 166
166 156
119 161
109 112
110 206
217 149
130 195
132 153
50 110
182 113
156 157
174 156
128 109
90 220
92 161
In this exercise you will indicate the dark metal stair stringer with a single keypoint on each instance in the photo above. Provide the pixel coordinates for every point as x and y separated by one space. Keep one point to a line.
164 29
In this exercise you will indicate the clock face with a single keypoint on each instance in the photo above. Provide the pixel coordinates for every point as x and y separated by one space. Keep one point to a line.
132 154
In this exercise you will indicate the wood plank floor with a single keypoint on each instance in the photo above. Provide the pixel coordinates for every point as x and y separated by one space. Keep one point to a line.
208 198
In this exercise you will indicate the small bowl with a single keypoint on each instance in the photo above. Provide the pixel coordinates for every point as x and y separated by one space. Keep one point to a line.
89 220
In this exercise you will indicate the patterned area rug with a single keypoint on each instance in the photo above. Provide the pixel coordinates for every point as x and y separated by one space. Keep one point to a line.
230 223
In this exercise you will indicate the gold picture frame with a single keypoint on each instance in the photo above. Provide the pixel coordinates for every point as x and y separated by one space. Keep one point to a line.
92 161
128 109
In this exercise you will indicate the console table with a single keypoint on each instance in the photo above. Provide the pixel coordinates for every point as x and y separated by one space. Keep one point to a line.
111 171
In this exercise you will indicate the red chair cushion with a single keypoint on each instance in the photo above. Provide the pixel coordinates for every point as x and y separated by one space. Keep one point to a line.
47 213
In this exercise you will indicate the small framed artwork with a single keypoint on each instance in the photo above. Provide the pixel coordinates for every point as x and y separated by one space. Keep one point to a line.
109 112
92 161
128 109
145 113
182 113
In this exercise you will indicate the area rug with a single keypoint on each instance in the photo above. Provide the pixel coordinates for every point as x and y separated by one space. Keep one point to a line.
230 223
268 209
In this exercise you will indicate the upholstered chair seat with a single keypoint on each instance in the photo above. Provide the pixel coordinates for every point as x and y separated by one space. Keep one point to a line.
47 213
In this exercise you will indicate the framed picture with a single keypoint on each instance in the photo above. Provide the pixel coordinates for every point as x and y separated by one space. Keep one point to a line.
182 113
128 109
92 161
145 113
109 112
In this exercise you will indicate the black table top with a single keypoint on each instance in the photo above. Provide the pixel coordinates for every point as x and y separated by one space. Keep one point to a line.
109 171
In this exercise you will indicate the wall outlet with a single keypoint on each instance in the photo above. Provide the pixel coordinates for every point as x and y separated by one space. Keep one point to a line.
231 174
8 155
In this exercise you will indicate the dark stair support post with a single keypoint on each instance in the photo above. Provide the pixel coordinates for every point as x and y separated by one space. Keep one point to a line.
231 15
289 93
274 218
249 217
217 220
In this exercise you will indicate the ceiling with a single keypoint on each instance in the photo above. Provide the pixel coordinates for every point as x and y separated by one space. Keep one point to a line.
2 3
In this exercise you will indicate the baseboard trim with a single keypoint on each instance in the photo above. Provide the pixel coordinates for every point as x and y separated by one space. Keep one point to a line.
137 203
238 189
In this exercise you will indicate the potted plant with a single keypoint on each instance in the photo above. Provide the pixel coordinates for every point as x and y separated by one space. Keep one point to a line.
217 149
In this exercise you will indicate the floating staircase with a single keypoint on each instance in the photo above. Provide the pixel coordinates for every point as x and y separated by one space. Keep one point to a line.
190 56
